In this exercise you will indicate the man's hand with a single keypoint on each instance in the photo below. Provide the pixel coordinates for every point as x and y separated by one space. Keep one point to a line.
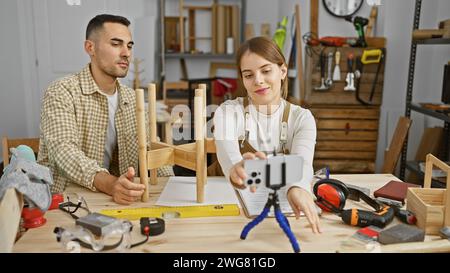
237 172
125 191
301 200
122 189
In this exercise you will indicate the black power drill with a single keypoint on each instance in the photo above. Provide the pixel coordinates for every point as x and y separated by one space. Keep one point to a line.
363 218
382 215
359 23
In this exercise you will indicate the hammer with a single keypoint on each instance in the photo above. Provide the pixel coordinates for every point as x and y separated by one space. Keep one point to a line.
322 86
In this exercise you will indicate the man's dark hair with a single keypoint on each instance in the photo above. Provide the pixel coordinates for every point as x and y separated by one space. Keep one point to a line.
97 22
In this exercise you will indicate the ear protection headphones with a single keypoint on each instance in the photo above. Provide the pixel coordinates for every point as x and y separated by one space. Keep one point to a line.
332 194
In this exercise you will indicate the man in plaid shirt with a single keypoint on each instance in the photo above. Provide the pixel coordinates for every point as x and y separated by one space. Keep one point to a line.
88 120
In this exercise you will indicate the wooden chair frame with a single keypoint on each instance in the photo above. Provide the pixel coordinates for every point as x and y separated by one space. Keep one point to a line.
191 156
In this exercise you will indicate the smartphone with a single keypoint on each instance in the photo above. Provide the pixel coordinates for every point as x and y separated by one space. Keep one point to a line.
257 170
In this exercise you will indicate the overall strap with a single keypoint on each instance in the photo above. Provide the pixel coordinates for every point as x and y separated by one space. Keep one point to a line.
284 128
246 119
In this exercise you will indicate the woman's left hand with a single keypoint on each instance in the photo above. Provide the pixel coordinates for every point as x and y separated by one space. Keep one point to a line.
301 200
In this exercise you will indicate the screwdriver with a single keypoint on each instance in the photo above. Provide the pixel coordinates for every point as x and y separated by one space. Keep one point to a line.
403 215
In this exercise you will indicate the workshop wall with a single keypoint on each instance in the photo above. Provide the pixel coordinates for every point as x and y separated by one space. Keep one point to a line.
20 97
14 105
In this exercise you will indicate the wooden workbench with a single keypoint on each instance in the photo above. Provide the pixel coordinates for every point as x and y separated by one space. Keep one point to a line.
213 234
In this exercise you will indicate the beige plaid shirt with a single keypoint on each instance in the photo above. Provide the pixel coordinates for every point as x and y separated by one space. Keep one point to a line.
74 121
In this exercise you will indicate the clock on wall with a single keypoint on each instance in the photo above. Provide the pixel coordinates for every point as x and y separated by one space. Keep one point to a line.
342 8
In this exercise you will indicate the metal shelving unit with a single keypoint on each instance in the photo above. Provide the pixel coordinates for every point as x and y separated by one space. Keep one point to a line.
433 41
433 113
413 166
411 106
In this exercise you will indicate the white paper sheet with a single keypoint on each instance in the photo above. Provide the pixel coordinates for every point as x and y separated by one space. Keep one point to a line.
182 191
254 202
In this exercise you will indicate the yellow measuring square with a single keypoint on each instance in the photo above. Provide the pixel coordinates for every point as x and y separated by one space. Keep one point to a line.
174 212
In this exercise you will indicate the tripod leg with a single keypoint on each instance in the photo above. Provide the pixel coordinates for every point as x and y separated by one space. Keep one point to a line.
284 224
254 222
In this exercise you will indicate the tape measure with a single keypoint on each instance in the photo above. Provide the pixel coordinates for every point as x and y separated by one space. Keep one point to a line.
174 212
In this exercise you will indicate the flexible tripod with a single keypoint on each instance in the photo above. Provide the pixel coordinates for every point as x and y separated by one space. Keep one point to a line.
275 202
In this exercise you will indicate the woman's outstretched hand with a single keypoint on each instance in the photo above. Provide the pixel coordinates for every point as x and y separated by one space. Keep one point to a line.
302 201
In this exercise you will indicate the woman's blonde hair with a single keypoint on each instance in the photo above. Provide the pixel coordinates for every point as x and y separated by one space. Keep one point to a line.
267 49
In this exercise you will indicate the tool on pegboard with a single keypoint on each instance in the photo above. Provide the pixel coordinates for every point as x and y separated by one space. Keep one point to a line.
337 68
373 56
322 61
350 78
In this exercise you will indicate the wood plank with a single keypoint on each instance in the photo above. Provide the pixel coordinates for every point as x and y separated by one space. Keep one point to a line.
372 21
221 38
191 29
347 98
347 124
227 24
235 26
299 55
160 157
181 24
181 85
420 34
346 135
396 145
314 19
345 166
185 158
309 63
159 145
378 42
198 8
214 27
329 145
345 155
355 113
189 147
10 211
430 142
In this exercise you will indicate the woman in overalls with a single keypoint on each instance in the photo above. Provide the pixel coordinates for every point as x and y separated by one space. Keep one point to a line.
264 122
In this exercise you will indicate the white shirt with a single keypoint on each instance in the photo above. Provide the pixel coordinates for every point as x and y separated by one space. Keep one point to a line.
229 123
111 134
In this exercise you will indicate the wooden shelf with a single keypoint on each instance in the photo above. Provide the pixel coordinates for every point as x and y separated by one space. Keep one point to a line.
429 112
433 41
413 166
198 56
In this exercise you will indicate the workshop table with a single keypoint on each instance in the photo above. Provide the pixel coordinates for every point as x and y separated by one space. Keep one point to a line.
213 234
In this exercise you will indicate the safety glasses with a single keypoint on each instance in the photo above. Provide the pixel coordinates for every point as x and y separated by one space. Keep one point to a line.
74 202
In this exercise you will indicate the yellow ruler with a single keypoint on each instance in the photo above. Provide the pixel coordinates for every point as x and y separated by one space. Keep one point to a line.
174 212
